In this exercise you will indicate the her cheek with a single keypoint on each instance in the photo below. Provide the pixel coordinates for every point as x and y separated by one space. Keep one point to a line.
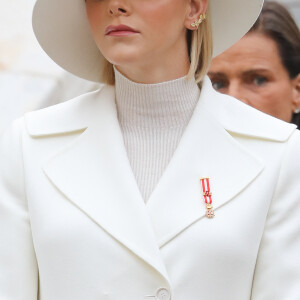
94 14
267 95
158 15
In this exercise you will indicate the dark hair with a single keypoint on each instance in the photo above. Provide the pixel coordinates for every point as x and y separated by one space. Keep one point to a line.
277 23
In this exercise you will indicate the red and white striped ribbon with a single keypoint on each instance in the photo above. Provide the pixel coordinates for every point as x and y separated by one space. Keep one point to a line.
206 190
207 195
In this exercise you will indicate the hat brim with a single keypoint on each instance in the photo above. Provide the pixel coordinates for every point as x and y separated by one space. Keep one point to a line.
62 29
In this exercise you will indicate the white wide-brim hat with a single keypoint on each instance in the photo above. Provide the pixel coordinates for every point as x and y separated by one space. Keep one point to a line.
63 31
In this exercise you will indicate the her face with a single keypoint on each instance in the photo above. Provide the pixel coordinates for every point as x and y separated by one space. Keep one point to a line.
157 37
253 72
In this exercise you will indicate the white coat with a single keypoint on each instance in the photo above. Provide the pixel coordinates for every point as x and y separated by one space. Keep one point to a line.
73 224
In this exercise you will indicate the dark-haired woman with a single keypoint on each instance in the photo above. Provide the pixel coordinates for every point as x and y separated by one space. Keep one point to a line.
263 68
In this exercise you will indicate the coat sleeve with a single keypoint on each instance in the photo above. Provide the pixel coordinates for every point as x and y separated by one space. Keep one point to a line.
277 272
18 267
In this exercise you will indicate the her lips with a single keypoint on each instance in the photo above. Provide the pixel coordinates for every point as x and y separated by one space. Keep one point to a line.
117 28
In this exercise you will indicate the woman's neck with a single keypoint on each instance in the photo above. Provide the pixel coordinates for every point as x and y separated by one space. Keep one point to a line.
161 105
152 118
155 72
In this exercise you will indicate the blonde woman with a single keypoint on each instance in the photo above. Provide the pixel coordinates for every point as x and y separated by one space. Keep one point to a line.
155 186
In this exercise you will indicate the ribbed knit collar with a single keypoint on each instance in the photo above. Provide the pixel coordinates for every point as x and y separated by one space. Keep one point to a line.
163 105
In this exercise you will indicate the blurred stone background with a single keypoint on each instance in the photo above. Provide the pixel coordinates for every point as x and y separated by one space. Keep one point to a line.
29 80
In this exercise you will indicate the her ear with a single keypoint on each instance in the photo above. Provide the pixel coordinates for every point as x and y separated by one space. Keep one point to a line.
296 93
196 9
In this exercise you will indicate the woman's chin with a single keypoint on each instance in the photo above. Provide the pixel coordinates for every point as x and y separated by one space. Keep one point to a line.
121 54
123 59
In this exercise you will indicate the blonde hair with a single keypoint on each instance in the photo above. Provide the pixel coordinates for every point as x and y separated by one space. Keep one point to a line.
200 47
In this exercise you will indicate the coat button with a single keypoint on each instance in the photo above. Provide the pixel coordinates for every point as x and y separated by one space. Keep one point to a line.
163 294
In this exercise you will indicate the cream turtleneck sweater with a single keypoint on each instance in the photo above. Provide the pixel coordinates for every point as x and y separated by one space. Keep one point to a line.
153 118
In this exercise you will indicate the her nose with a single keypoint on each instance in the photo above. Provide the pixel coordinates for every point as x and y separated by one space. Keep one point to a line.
117 8
236 91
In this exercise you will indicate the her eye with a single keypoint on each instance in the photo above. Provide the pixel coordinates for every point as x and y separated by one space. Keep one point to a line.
259 80
217 85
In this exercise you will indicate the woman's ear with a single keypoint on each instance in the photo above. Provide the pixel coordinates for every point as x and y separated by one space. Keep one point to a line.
296 92
196 8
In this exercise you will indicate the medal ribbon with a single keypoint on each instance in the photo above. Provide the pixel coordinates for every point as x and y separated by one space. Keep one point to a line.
206 190
207 195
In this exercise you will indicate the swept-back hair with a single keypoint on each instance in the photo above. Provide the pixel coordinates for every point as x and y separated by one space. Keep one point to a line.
276 22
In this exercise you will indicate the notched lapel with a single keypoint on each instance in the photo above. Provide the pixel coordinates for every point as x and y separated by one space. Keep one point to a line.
206 149
94 173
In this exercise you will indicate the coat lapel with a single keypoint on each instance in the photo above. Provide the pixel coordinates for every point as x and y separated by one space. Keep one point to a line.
206 149
94 173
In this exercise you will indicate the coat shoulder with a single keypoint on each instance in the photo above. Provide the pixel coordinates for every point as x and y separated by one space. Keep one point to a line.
69 116
240 118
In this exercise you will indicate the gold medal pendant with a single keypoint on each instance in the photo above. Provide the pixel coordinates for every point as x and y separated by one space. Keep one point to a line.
209 211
